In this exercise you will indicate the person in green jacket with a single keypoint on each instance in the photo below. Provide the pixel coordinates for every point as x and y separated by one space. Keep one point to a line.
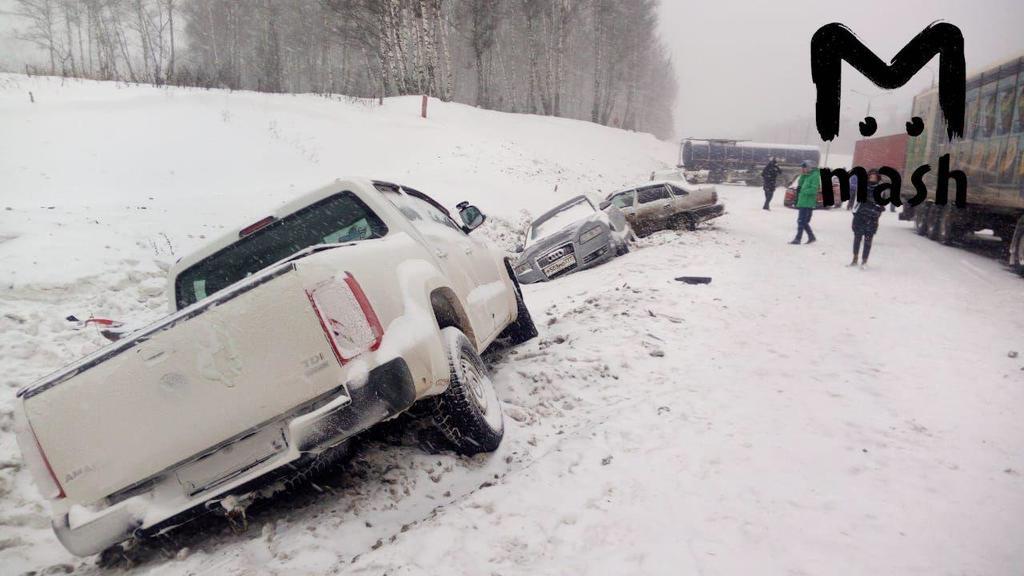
806 201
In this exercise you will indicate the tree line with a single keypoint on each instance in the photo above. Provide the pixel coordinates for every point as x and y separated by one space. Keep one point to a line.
598 60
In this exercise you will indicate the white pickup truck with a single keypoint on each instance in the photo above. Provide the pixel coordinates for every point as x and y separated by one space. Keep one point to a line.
286 338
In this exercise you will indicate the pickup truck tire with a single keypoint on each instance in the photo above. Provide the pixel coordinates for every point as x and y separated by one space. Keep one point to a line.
523 328
468 413
318 465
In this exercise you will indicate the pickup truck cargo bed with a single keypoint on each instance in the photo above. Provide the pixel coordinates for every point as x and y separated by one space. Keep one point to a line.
199 382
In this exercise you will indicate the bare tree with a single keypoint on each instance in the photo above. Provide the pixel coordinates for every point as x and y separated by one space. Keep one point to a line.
599 60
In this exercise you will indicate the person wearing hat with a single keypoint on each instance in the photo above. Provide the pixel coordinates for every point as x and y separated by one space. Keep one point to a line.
769 175
807 187
865 220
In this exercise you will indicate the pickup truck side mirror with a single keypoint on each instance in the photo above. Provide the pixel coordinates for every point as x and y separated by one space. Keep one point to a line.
604 204
471 216
520 249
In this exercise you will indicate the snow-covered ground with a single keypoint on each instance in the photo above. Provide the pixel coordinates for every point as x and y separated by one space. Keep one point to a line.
795 416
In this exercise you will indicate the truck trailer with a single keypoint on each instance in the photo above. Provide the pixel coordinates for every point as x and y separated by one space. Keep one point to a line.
990 154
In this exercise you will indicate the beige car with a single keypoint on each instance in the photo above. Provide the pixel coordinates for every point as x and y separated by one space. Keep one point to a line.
664 204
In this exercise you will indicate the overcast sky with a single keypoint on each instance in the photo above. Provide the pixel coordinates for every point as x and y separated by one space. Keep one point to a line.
744 64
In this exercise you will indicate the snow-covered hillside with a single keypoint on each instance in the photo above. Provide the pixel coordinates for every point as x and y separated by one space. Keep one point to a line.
795 416
133 172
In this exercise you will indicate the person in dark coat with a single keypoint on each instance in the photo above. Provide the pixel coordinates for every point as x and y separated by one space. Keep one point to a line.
865 220
768 177
853 192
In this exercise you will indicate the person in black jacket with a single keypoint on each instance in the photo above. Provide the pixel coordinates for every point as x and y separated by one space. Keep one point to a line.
865 220
768 176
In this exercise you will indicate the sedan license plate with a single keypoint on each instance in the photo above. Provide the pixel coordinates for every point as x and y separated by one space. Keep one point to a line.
560 264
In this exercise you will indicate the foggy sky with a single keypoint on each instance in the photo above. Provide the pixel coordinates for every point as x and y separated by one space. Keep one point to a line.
745 64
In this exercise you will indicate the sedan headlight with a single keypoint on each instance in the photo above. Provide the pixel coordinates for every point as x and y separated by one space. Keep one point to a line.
590 233
523 269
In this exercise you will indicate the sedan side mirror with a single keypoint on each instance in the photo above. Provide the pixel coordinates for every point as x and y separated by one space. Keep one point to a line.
471 216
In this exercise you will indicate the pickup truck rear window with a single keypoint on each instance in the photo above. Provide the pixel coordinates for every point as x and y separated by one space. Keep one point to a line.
334 220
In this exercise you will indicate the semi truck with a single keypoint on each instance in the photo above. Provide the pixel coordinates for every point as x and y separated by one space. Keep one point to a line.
990 154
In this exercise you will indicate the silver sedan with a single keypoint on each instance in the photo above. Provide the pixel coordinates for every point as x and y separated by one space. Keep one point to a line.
571 236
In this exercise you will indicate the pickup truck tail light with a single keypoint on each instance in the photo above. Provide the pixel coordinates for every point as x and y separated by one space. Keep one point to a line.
714 196
348 319
35 459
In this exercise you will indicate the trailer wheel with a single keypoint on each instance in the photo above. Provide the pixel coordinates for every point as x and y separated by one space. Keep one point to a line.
468 413
932 222
921 219
1017 248
948 227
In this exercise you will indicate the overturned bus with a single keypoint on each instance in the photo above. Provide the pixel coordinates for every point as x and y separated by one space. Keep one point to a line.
739 160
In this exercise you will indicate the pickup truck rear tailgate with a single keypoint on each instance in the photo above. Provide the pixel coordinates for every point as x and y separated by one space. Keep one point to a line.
180 387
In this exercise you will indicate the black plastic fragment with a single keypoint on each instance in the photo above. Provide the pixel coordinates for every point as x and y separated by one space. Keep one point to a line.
694 279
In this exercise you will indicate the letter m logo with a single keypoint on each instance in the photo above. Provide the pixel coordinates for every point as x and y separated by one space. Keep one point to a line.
834 42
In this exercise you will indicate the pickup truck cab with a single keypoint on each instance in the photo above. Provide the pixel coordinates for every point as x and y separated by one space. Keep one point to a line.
288 336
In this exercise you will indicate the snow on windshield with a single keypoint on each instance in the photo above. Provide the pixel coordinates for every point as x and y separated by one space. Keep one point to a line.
561 219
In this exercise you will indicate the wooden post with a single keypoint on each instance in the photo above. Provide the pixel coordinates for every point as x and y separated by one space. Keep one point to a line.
423 107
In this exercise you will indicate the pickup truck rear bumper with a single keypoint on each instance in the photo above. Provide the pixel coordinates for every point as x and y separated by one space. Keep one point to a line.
388 390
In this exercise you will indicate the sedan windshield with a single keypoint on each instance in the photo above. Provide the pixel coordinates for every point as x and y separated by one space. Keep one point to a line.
334 220
554 221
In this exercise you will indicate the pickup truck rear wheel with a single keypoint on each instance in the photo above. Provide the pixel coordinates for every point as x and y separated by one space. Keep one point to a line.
468 413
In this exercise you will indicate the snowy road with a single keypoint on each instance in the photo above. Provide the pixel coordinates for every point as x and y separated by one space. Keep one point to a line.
805 418
793 417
